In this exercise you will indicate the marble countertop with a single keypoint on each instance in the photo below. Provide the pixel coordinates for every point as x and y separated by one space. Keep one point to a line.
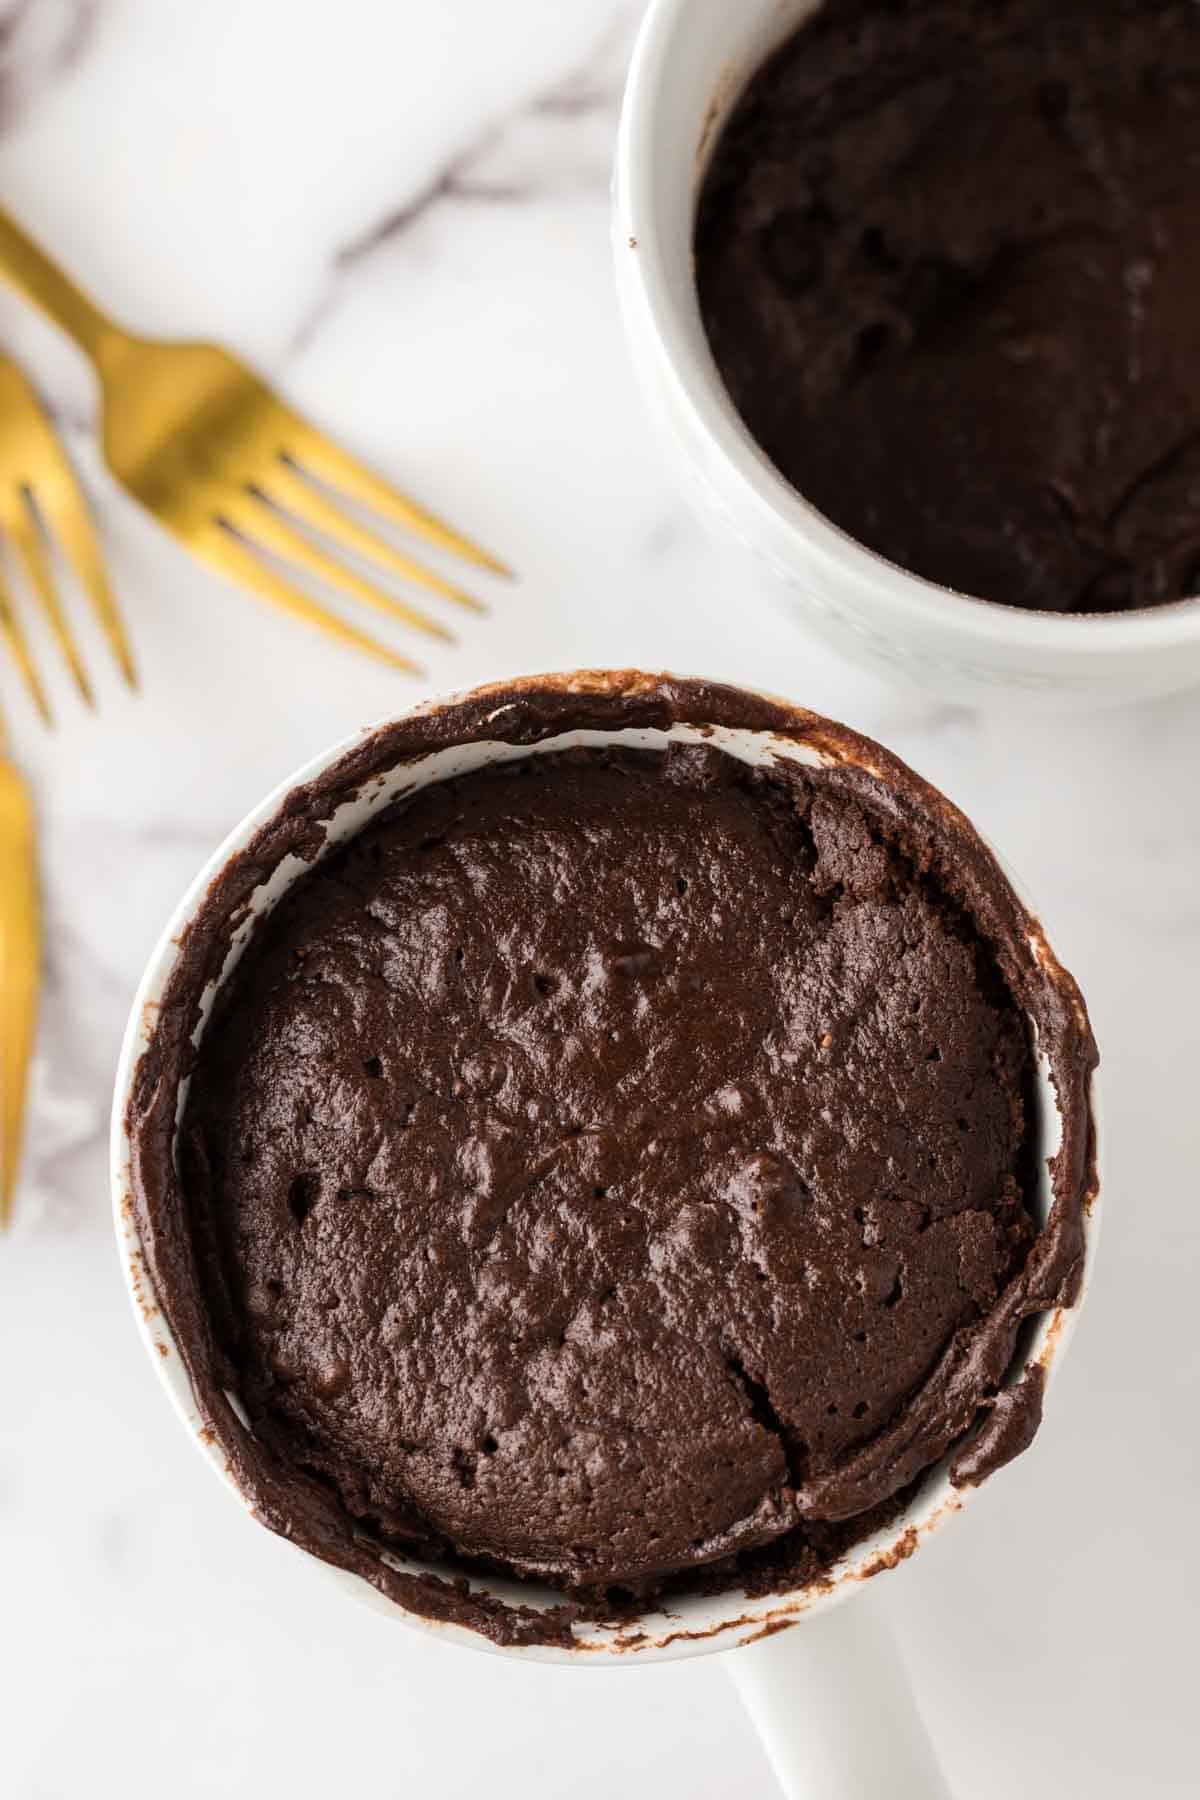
400 213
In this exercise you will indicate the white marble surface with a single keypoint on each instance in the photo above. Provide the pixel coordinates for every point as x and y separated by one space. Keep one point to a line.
399 212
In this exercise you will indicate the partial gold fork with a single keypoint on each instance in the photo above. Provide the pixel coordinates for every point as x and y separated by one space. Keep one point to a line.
19 959
40 501
237 476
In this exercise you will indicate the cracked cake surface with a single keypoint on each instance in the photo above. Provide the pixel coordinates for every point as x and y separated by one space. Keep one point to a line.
614 1167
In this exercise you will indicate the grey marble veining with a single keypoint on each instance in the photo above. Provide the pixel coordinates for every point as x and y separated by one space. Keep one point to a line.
41 41
557 139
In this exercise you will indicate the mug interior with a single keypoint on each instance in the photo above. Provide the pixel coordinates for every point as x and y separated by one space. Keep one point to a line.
687 1624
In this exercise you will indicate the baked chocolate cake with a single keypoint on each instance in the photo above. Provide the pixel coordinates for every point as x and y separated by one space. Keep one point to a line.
615 1166
948 258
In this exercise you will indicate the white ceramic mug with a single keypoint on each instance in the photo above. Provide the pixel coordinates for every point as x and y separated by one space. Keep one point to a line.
830 1697
692 61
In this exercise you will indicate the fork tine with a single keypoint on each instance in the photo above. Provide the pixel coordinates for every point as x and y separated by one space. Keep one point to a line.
316 454
14 637
25 530
237 562
64 510
269 530
287 488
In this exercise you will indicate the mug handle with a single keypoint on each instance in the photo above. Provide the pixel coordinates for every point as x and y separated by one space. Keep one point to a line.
831 1701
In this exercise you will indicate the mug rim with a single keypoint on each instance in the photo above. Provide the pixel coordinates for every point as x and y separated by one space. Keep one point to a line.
670 310
733 1618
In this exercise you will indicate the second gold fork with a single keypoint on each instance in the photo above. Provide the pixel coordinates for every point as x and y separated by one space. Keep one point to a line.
40 501
41 506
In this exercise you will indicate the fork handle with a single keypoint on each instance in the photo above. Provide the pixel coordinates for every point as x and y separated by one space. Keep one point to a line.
18 968
30 270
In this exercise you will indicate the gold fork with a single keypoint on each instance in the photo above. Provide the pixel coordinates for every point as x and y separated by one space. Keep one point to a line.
238 477
40 500
19 958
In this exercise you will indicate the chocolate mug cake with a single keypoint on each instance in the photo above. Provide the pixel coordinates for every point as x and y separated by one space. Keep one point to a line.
616 1165
947 261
